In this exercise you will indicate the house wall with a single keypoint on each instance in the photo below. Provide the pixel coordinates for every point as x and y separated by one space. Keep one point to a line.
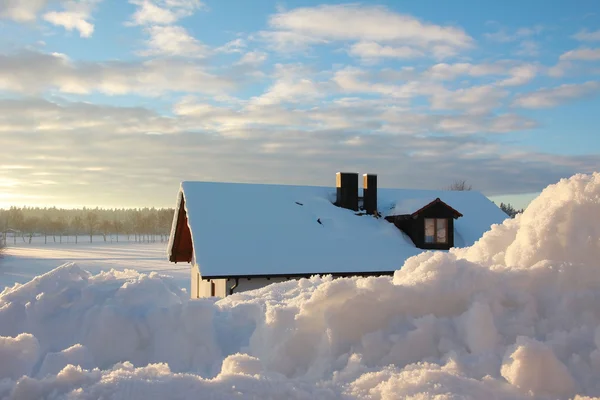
245 284
202 287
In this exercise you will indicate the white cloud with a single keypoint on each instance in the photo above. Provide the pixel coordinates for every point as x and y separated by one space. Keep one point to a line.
374 51
31 72
162 12
504 35
528 48
445 71
21 10
253 58
291 85
551 97
173 41
520 75
474 100
369 25
267 142
585 54
587 36
233 46
354 22
74 17
560 69
286 41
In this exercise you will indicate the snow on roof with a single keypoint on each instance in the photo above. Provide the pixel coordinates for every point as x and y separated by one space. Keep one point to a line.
479 212
258 229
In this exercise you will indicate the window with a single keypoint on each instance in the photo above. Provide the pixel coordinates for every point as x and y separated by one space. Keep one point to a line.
436 230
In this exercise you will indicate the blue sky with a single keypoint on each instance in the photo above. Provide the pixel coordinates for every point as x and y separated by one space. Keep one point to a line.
113 103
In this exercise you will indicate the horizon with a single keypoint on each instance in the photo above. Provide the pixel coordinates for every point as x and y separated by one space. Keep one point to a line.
105 103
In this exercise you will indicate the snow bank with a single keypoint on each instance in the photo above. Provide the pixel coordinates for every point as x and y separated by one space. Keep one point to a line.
517 315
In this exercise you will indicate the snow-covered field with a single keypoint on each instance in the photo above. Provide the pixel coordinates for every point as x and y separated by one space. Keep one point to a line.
515 316
24 261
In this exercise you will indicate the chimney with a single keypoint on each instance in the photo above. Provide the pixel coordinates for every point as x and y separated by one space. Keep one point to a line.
347 190
370 193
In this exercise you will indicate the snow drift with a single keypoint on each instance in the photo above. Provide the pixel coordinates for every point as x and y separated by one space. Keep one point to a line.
517 315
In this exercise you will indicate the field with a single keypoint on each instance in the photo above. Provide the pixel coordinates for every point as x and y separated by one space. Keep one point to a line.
23 261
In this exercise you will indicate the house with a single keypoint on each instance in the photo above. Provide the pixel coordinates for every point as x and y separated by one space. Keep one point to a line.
241 236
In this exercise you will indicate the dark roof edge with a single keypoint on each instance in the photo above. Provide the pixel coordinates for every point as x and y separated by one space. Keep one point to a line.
308 275
457 214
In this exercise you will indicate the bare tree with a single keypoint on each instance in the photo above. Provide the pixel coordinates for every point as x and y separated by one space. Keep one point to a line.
105 227
76 226
459 185
91 223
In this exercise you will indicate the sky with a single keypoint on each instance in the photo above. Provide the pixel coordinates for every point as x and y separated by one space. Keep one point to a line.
114 103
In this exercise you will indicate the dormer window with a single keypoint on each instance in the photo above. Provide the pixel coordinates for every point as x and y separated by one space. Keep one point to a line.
436 230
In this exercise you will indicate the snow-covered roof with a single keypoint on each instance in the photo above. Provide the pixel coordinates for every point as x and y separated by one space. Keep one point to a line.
260 230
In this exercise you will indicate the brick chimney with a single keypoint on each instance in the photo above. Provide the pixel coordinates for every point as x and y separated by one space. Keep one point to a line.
370 193
347 190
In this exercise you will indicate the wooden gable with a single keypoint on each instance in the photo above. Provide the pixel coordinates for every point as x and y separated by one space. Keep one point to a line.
182 248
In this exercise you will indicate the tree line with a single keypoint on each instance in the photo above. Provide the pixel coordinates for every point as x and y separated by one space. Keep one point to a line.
139 224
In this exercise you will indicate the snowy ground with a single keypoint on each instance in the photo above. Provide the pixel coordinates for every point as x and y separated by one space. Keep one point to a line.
515 316
22 261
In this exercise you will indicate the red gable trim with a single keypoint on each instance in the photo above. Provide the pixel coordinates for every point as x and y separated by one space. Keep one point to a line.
436 201
182 249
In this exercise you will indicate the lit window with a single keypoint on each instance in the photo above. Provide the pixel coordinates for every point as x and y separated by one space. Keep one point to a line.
436 230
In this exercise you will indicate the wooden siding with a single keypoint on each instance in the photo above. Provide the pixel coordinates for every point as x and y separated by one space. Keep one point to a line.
182 250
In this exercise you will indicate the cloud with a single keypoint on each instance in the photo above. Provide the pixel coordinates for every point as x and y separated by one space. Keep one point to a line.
21 10
403 35
585 54
173 41
587 36
368 22
162 12
75 16
33 72
446 72
253 58
520 75
504 35
528 48
285 41
552 97
373 50
58 139
475 100
233 46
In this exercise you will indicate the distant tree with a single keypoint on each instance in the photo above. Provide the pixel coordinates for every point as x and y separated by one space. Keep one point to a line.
14 221
91 223
510 210
165 219
46 227
30 225
459 185
105 227
117 227
76 226
60 226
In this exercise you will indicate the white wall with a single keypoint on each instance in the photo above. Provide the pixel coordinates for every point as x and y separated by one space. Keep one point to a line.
251 284
202 288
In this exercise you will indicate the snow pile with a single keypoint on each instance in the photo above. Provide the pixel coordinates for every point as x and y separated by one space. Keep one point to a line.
517 315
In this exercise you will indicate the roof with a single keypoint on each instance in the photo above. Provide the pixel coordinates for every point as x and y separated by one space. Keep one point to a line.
240 229
436 201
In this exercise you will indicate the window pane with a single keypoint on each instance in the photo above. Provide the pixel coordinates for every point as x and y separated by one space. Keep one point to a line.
429 230
442 230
